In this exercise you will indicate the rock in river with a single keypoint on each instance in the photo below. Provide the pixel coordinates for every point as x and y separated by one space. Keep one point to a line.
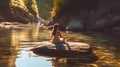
69 49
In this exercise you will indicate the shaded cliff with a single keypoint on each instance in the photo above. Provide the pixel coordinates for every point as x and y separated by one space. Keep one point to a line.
87 14
5 10
18 10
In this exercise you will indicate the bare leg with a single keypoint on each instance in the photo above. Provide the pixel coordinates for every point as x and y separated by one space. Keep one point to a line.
63 40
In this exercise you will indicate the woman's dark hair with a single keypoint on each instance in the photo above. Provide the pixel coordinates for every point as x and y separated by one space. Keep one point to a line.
55 28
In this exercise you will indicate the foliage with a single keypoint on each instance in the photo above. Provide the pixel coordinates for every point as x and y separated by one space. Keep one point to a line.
72 7
44 8
27 5
57 7
32 7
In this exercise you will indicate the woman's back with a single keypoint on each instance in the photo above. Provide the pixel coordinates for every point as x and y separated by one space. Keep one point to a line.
56 38
56 35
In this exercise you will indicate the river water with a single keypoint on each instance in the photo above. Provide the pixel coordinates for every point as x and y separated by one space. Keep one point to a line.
16 42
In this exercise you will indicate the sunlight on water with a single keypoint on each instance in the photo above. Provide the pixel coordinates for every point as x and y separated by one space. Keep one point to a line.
19 38
15 45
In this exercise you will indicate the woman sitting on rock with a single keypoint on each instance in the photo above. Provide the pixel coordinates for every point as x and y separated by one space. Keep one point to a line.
56 36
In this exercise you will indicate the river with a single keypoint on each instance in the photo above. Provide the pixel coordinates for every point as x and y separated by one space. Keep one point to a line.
16 42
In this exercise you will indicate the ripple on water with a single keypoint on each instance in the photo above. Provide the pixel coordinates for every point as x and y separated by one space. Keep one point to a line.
107 48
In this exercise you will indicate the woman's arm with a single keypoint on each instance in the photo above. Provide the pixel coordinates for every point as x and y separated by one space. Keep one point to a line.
52 36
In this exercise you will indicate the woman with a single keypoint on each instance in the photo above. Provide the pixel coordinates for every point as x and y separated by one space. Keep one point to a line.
56 36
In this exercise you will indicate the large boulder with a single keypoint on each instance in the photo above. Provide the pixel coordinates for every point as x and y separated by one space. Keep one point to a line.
68 49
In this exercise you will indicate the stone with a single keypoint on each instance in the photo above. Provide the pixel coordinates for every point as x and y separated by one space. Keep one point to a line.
69 49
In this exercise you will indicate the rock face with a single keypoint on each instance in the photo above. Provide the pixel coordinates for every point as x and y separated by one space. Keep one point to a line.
24 11
18 10
4 10
94 14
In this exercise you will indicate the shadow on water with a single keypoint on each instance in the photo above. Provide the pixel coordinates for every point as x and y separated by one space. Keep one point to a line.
66 61
73 62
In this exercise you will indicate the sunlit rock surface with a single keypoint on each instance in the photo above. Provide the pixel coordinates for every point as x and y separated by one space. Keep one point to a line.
18 10
24 11
69 49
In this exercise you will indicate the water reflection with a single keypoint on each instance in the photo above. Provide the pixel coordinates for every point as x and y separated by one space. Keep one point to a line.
15 42
23 57
10 43
28 59
73 62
